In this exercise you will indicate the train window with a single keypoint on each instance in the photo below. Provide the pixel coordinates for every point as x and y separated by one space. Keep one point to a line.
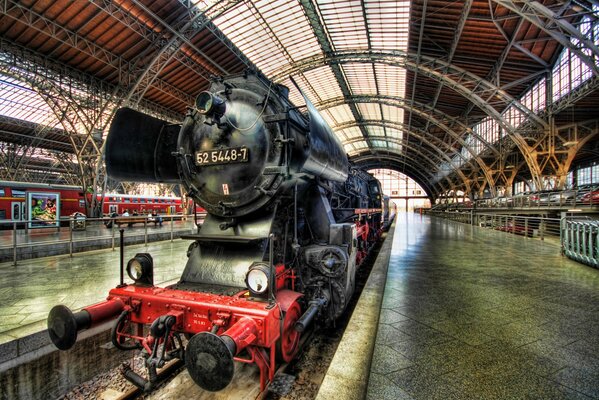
135 200
18 193
142 200
81 203
127 200
2 192
2 212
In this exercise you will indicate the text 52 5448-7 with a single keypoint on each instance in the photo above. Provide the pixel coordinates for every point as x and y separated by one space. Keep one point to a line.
222 156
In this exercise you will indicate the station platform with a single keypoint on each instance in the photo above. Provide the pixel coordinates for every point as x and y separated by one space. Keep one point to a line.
470 313
450 311
29 290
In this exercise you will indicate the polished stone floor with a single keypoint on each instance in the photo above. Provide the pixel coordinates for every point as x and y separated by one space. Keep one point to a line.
471 313
29 290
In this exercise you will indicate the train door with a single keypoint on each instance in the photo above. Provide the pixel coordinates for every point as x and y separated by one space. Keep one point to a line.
113 209
18 210
172 210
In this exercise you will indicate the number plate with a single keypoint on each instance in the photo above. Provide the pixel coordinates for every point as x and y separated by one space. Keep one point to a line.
223 156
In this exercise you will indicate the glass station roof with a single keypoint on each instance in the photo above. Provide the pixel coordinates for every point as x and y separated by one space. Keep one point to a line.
280 39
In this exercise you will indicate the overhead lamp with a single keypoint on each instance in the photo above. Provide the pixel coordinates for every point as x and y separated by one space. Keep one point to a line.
571 143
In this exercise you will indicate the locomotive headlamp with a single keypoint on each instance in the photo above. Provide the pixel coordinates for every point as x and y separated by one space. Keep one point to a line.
141 269
258 278
210 104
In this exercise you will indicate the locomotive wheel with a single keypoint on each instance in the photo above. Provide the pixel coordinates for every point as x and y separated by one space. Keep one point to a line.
288 343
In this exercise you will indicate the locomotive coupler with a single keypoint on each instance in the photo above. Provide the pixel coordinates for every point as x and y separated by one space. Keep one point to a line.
160 328
160 333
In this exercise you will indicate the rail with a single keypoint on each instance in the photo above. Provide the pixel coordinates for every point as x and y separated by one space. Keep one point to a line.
34 238
580 240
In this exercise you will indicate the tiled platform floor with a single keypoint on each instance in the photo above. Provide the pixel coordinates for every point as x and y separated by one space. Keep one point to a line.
470 313
29 290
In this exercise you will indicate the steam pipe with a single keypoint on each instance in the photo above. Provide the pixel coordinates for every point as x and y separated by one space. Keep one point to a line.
306 319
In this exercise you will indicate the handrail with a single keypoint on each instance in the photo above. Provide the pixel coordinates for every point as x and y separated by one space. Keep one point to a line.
21 236
580 240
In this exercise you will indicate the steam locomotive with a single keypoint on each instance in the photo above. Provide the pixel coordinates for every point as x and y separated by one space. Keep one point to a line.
289 221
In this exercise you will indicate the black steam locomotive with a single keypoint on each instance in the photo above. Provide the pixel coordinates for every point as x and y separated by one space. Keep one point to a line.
289 221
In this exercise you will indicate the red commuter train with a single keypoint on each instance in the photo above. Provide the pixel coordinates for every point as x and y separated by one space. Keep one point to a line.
17 199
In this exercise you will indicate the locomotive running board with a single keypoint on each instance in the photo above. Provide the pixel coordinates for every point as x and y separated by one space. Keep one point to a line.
223 238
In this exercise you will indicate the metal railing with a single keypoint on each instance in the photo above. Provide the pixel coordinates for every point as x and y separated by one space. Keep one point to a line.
564 198
578 236
527 226
580 240
68 235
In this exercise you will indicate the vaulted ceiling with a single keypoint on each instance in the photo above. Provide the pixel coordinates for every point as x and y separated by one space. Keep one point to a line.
402 83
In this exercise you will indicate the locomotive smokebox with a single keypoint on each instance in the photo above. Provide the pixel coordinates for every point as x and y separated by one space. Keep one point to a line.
139 148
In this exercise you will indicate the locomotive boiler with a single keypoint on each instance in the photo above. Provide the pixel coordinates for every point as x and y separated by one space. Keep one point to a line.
289 221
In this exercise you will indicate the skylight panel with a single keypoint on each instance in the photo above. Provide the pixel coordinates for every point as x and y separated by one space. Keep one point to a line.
394 114
379 143
344 21
20 102
294 95
341 114
324 79
394 133
355 147
330 120
370 111
272 34
360 78
388 23
291 27
394 146
374 131
249 32
391 80
349 133
306 87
